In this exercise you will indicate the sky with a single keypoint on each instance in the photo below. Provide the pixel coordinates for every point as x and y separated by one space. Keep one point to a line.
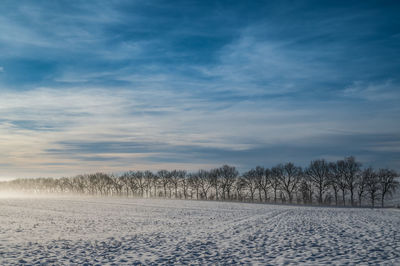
111 86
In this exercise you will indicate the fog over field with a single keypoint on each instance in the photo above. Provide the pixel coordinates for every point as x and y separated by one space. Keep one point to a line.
199 132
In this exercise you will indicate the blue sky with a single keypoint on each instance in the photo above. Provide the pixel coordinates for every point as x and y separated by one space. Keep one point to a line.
116 85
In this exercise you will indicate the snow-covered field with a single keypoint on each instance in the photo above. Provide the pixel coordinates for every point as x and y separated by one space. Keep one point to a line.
77 230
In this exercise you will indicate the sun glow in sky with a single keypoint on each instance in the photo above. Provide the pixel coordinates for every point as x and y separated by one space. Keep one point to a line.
116 85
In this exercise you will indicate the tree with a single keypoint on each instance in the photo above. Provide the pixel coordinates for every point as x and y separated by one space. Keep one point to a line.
227 175
165 179
205 182
371 184
239 187
214 180
175 177
124 179
130 180
194 182
318 172
140 181
155 181
117 184
333 180
351 170
288 182
362 183
263 177
250 181
79 183
387 183
276 172
184 182
306 191
339 171
289 179
148 177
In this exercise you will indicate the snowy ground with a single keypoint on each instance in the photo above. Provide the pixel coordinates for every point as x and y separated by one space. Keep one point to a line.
127 231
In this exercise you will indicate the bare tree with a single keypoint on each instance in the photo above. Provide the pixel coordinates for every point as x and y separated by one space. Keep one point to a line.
351 170
130 180
276 172
117 184
371 181
339 171
250 181
155 181
287 182
205 182
174 180
289 179
140 182
228 175
124 179
148 183
333 180
194 182
239 187
165 180
305 190
263 177
214 180
318 172
387 183
362 183
184 181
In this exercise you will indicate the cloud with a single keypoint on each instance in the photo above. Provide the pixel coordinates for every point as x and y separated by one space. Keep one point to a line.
123 84
385 91
52 132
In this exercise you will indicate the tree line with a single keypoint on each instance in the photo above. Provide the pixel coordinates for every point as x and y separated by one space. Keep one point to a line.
343 182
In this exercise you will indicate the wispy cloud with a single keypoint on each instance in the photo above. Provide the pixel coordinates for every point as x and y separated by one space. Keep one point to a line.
115 85
385 91
85 128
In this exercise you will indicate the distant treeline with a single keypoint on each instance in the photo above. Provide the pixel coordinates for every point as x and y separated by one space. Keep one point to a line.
324 183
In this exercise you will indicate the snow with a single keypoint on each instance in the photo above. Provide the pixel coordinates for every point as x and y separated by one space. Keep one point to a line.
78 230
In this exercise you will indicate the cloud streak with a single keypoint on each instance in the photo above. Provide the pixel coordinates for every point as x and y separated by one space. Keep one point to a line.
118 85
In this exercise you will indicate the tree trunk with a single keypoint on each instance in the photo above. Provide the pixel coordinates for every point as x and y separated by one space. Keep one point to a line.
344 197
352 197
320 196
